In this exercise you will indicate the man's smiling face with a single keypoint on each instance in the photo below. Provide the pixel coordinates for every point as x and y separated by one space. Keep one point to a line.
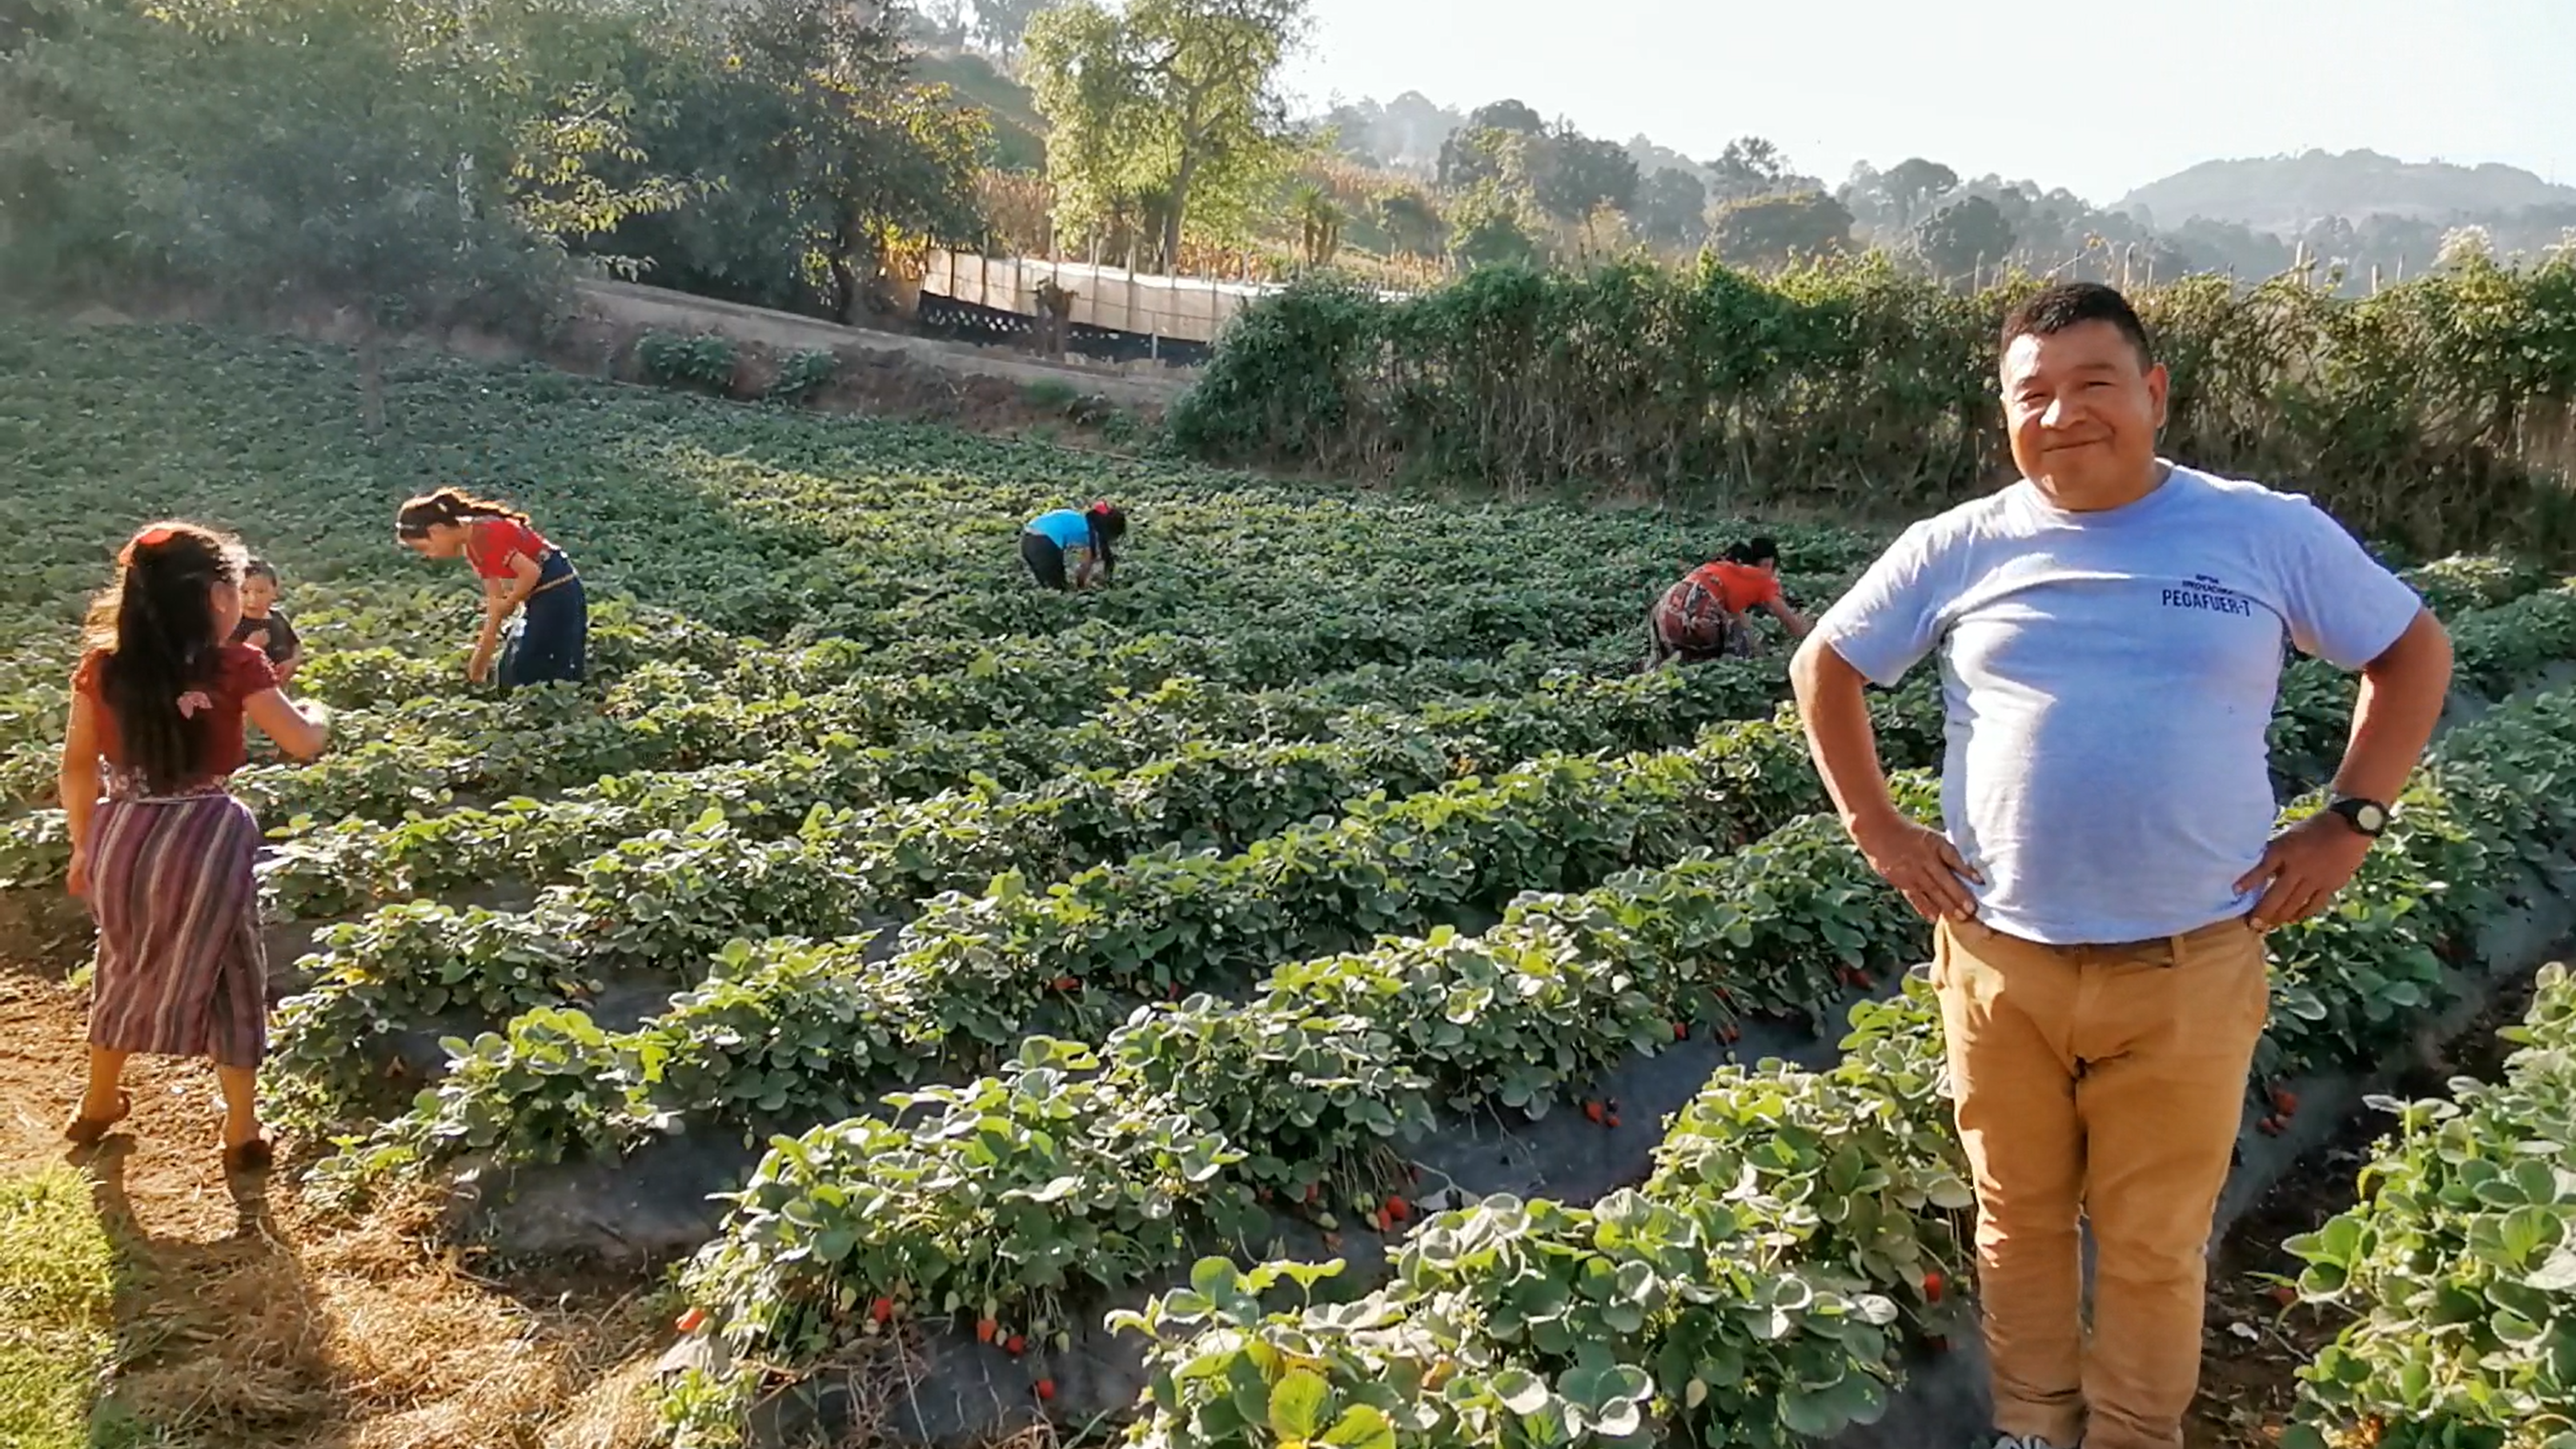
2083 407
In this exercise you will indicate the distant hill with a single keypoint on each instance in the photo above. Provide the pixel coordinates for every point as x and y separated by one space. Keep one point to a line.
2283 194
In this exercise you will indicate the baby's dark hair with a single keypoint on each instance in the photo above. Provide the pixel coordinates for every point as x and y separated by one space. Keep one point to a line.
154 630
419 515
259 568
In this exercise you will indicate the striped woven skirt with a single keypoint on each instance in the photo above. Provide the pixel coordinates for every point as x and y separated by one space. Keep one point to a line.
182 968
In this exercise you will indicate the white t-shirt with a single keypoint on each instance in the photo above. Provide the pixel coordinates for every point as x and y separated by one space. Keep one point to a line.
2109 680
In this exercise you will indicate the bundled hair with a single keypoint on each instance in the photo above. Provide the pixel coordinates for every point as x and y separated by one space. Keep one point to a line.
448 506
154 633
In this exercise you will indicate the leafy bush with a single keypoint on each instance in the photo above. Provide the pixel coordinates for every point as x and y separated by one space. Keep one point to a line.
802 373
2414 415
705 359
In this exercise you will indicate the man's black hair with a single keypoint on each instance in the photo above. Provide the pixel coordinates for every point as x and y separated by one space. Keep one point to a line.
2071 304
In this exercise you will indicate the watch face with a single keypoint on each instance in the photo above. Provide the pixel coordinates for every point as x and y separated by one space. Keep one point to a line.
2366 817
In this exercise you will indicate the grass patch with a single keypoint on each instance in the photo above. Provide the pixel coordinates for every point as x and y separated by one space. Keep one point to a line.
57 1289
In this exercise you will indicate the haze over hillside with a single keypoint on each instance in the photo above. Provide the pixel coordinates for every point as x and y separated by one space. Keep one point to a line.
2285 194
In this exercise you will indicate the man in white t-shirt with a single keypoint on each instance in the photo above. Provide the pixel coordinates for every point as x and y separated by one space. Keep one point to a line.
2110 632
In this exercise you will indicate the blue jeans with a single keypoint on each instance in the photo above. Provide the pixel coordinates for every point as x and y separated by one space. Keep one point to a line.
554 630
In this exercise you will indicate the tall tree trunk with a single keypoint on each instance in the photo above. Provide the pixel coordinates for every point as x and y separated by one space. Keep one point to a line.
1179 209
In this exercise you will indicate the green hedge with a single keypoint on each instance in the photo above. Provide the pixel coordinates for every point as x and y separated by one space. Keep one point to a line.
2431 413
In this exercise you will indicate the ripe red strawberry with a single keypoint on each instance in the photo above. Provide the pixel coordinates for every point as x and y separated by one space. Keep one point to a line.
2269 1126
2285 1102
985 1330
1046 1389
881 1310
1932 1285
2285 1295
1015 1345
1592 1110
1613 1120
1681 1031
1734 1034
1068 983
692 1321
1382 1220
1398 1209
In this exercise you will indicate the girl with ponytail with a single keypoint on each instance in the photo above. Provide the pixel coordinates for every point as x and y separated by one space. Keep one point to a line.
162 853
519 569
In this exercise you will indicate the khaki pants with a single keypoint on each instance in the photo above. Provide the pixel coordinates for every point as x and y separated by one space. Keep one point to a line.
2106 1082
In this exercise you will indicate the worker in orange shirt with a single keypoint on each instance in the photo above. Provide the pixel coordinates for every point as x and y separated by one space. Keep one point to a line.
1707 614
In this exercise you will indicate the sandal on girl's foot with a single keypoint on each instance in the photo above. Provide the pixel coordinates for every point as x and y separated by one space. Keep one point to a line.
90 1131
251 1156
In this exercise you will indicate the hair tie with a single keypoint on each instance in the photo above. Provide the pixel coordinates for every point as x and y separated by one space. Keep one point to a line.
192 702
153 537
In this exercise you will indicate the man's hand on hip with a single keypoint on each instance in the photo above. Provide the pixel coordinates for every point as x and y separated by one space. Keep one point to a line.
1920 862
2302 869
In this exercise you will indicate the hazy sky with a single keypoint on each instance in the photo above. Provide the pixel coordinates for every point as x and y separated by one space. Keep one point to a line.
2098 98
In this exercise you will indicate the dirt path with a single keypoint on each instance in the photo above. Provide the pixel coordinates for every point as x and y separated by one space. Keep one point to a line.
244 1319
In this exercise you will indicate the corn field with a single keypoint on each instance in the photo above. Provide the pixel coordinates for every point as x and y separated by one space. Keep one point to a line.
2434 414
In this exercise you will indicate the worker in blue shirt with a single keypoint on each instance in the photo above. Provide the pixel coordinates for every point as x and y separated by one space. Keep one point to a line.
1069 548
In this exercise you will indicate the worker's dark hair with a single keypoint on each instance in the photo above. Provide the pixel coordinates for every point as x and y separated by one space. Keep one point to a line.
419 515
259 568
1108 525
1752 551
2071 304
153 633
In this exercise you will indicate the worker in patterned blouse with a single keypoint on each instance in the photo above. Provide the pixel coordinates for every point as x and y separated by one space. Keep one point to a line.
1708 614
1069 548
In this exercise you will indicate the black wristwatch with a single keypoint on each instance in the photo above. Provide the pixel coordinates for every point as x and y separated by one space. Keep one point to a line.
2367 816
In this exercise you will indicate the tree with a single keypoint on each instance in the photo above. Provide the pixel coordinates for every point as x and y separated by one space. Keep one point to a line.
1773 231
1672 207
1750 166
1914 183
1001 25
819 152
1165 113
1412 223
1571 175
1319 223
1487 230
1964 236
372 156
1513 116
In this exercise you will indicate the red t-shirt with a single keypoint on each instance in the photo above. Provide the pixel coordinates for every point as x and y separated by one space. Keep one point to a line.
1741 587
490 544
240 672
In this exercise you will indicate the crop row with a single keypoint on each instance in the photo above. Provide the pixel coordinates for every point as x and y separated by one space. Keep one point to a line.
2458 1267
1155 923
1185 764
919 733
933 1218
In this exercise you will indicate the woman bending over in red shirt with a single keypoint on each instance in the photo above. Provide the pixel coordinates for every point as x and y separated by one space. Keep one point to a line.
1707 614
519 568
164 858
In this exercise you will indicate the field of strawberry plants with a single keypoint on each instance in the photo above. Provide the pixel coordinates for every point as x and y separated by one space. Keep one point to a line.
1206 1001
